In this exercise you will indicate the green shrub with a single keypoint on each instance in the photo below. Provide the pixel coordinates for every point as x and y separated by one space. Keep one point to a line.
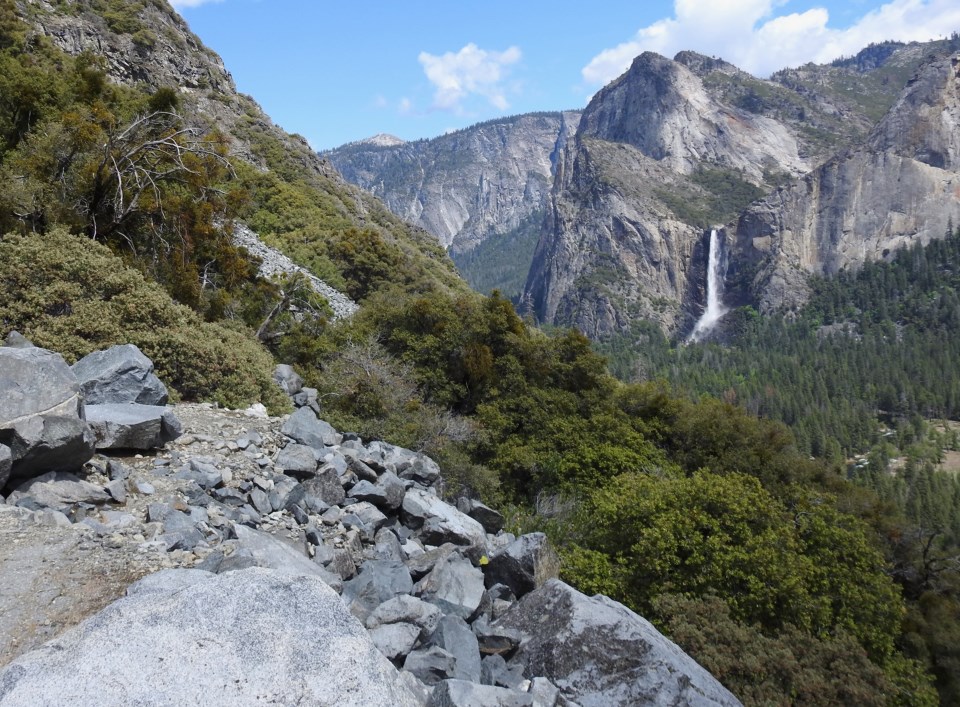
72 295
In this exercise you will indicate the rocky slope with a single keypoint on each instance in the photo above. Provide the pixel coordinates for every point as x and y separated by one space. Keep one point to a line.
260 523
468 185
900 186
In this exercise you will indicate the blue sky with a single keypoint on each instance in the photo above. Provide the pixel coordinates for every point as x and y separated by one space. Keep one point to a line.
341 71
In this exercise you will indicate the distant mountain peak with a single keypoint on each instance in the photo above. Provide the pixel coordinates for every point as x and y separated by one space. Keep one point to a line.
382 140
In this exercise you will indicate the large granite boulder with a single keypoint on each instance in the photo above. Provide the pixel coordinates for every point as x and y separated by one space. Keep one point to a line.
132 426
254 636
601 654
120 374
41 413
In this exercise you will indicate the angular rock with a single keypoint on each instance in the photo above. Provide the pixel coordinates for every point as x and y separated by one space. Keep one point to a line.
461 693
118 490
371 518
132 426
422 469
16 340
454 636
272 552
422 564
545 693
378 581
120 374
386 546
325 486
491 520
495 640
212 641
405 608
57 490
48 442
440 522
495 671
343 564
6 464
288 379
431 664
206 475
297 460
387 493
303 427
523 565
364 472
600 653
395 640
454 585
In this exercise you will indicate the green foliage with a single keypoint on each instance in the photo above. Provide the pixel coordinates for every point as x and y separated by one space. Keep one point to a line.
502 261
722 194
792 668
51 296
805 565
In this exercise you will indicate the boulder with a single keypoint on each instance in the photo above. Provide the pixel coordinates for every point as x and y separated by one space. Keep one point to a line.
600 654
120 374
297 460
454 585
132 426
387 493
495 671
288 379
16 340
460 693
325 486
377 582
523 565
41 413
430 664
491 520
303 427
395 640
57 490
408 609
252 636
271 552
6 464
454 636
440 522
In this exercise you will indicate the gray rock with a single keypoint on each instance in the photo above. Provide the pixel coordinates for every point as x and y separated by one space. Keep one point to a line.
422 469
117 490
405 608
132 426
431 664
117 470
491 520
261 502
297 460
454 585
364 472
343 564
386 546
378 581
274 553
387 493
6 464
495 671
600 653
41 413
495 640
325 486
461 693
303 427
371 518
288 379
181 531
120 374
206 475
213 641
544 692
440 522
57 490
16 340
422 564
454 636
395 640
523 565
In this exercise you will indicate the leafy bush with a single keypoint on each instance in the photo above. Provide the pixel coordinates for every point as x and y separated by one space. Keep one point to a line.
72 295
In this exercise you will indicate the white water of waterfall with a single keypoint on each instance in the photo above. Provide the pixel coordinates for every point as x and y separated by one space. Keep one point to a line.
715 309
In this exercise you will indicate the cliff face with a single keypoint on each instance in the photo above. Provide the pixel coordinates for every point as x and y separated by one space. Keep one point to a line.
467 186
635 194
902 185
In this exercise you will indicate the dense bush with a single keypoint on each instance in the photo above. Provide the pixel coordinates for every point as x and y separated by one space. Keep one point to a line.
74 296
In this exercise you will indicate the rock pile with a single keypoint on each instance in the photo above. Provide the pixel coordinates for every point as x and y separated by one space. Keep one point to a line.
264 513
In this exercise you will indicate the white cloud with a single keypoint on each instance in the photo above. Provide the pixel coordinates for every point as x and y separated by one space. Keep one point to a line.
470 71
752 35
405 106
180 4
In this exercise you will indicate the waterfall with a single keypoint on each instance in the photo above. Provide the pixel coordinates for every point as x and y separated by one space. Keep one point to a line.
715 309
